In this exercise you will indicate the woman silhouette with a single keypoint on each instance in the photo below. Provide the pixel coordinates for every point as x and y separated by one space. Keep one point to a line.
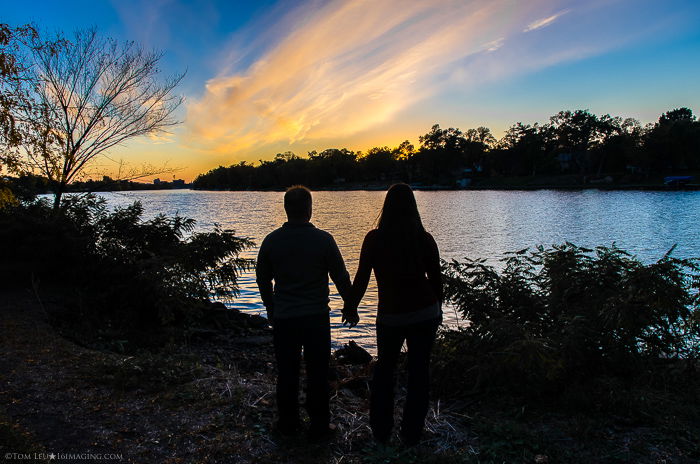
406 265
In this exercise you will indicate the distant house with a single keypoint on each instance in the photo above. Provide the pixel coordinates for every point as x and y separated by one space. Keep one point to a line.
476 168
566 161
602 180
464 176
677 181
156 181
179 183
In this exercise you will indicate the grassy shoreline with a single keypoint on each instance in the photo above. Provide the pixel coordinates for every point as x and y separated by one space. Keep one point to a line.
213 401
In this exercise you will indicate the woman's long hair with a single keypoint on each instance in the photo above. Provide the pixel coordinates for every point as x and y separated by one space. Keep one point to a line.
399 222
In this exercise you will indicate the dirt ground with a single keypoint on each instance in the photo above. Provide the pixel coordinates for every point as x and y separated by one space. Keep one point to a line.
213 402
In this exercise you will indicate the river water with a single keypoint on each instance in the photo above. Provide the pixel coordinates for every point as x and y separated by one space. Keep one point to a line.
474 224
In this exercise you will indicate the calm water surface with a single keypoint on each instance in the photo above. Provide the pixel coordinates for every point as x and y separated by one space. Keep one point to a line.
475 224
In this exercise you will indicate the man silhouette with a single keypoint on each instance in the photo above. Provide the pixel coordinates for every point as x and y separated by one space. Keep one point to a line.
299 257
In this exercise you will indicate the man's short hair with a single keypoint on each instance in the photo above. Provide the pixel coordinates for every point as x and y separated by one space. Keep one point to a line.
297 200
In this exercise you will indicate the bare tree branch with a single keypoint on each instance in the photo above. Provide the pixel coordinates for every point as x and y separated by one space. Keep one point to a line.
86 95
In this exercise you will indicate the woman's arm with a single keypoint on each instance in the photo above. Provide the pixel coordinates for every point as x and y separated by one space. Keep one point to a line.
433 271
364 269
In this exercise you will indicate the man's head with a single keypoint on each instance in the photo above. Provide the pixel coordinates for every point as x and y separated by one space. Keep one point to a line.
297 203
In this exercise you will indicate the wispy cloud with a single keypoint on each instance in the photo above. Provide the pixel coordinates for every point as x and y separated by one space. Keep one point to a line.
544 22
349 66
494 44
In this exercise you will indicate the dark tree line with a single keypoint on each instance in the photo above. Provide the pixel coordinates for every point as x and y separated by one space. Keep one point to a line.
570 143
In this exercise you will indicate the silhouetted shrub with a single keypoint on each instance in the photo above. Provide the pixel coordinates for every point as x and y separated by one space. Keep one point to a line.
557 316
124 277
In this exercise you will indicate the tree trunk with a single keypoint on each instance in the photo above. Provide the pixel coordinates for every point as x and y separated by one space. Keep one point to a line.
601 164
58 194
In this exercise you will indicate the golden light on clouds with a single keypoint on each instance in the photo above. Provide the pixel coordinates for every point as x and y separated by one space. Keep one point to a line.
349 66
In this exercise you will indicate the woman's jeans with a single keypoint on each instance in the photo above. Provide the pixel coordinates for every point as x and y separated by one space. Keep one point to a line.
419 339
312 333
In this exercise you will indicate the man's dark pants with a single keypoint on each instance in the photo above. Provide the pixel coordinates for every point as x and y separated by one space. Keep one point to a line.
419 339
312 333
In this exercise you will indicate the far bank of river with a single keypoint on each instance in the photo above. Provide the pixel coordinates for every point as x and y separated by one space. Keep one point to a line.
560 182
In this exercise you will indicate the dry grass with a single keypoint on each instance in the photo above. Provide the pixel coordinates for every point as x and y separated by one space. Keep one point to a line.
215 404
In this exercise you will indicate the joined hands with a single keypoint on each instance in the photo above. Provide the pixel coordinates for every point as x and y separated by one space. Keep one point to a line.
350 316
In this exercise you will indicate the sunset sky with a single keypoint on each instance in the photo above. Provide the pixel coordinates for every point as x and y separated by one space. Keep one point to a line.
265 76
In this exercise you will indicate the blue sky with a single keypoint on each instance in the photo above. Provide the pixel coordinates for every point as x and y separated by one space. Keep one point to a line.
270 76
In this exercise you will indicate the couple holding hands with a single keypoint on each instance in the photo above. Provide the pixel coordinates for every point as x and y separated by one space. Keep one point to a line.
298 257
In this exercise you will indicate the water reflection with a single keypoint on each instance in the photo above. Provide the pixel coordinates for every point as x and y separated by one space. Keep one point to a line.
477 224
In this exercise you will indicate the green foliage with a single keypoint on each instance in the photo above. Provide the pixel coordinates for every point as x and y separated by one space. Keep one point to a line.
7 198
126 277
674 142
14 43
554 317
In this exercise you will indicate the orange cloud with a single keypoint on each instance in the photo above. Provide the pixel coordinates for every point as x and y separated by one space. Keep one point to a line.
348 67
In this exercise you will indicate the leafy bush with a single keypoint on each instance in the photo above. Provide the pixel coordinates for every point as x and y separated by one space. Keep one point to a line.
125 277
557 316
